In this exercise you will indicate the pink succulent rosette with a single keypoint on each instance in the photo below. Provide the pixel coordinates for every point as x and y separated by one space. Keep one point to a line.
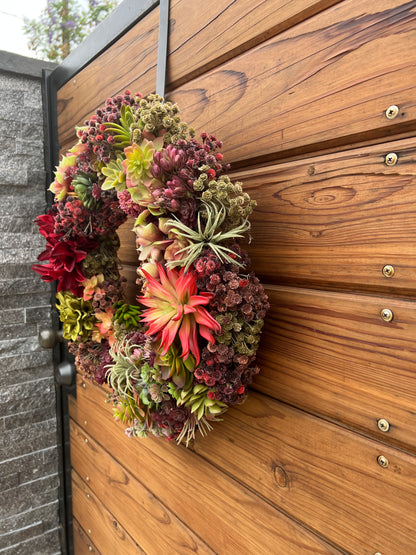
185 352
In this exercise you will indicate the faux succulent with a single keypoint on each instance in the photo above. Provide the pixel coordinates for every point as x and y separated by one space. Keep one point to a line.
185 353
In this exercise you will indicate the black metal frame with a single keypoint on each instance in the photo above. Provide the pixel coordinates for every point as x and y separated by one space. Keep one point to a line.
124 17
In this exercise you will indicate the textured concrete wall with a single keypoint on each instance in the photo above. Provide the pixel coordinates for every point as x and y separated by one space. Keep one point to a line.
28 443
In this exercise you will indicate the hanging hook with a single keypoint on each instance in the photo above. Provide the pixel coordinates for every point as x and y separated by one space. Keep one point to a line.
162 51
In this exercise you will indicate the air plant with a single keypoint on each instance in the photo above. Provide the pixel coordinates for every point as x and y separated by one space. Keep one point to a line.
208 235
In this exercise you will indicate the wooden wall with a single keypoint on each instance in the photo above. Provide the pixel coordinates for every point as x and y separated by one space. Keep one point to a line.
298 90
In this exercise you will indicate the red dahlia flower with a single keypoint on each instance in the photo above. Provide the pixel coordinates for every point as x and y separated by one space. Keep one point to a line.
175 309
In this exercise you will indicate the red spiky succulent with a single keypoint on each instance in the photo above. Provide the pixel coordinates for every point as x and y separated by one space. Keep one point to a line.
175 310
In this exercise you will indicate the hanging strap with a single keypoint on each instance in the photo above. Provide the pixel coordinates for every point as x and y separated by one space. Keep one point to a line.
162 51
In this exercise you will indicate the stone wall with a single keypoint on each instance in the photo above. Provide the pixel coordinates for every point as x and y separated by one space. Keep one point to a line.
28 440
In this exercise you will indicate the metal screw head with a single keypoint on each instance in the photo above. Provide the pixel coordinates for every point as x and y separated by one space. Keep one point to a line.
382 461
391 159
383 425
84 385
87 478
392 111
386 314
89 548
86 440
388 271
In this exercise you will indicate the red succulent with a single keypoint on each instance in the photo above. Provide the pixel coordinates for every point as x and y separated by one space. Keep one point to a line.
65 257
175 310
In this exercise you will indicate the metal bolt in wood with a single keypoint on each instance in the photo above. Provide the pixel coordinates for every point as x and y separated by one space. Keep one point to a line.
388 271
391 159
383 425
386 315
392 111
383 461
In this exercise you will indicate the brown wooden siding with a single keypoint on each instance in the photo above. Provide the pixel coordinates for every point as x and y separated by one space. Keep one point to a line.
298 91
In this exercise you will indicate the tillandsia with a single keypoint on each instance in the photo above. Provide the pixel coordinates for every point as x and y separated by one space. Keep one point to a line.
185 352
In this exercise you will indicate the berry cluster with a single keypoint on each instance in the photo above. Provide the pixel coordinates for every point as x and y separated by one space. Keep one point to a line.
94 133
74 220
239 305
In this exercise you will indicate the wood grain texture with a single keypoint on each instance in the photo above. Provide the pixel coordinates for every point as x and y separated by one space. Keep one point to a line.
230 518
82 543
326 477
195 46
331 221
135 53
103 527
336 220
325 82
132 505
333 355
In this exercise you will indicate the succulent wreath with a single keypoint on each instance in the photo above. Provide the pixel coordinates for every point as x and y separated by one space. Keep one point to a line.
179 358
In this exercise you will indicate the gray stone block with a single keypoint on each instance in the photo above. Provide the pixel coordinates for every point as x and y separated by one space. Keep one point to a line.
13 316
32 416
20 442
44 518
16 224
37 314
41 388
33 361
20 286
22 270
45 544
21 301
10 376
31 494
12 177
24 205
30 147
19 345
19 330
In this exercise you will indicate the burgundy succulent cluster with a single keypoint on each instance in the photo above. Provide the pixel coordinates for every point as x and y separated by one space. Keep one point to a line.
175 169
108 293
127 204
74 220
92 359
95 135
170 418
239 304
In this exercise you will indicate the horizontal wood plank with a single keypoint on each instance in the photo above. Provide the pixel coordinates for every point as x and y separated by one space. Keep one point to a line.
325 82
332 354
82 543
133 506
331 221
326 477
106 532
230 518
127 251
336 220
194 48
